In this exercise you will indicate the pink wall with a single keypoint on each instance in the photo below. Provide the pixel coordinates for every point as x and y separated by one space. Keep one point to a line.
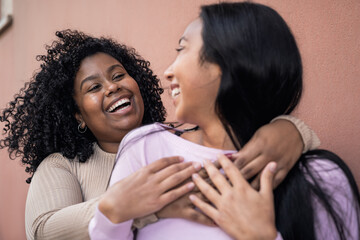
328 33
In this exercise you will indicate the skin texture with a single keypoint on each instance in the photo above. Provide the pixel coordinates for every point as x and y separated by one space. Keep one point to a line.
151 184
194 78
101 81
236 202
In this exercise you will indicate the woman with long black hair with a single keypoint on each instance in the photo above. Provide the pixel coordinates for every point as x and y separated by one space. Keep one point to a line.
238 67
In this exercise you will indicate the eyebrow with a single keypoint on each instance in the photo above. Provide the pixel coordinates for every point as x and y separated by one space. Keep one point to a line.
92 77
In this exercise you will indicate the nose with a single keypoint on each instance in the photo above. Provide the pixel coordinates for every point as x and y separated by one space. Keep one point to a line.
169 74
111 88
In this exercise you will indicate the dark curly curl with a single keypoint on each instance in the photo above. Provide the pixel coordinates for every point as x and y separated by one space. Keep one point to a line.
41 119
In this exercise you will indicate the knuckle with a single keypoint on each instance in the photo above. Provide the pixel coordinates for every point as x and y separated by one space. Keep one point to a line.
172 196
166 161
194 215
246 172
177 178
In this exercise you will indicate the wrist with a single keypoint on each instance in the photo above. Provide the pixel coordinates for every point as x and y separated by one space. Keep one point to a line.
109 208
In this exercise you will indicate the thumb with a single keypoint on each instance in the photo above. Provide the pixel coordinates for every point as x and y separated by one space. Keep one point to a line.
267 178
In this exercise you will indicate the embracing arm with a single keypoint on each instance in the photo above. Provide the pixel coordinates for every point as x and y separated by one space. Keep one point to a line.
54 206
141 193
282 141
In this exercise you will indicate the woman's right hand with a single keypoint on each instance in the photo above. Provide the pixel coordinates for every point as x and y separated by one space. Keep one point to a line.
148 190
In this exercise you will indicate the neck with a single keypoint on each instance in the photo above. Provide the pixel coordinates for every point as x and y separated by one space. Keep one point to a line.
109 147
211 134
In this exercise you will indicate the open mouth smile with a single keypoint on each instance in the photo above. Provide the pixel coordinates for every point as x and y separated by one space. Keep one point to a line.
119 105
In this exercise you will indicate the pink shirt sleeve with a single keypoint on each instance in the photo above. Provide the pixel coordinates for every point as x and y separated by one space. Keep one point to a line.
101 228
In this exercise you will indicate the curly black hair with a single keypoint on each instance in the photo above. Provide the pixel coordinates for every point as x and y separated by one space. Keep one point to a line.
41 119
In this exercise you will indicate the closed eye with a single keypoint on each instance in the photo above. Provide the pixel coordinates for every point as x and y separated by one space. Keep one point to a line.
118 76
179 49
94 87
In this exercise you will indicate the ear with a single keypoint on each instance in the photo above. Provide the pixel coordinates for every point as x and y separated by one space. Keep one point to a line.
80 120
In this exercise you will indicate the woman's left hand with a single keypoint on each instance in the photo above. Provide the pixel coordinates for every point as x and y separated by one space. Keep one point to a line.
237 208
279 142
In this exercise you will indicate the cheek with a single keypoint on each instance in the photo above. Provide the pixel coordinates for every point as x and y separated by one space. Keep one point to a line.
90 105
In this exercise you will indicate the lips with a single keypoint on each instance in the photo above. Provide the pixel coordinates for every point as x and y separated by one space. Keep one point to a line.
175 90
119 104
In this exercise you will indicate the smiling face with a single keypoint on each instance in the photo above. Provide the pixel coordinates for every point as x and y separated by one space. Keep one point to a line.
194 84
108 98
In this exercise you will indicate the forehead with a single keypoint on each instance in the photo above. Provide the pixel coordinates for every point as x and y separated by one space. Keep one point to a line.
97 60
193 30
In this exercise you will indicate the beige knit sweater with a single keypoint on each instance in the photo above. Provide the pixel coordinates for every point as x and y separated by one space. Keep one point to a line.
63 194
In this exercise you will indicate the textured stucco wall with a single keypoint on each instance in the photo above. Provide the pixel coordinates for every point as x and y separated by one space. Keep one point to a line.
327 31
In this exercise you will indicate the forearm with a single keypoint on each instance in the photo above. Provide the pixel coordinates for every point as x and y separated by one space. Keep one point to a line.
70 222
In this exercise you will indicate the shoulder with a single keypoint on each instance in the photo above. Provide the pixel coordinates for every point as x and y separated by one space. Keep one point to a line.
340 195
327 172
335 184
142 132
54 160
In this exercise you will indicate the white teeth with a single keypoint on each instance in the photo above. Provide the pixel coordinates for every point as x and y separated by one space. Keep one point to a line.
175 92
118 103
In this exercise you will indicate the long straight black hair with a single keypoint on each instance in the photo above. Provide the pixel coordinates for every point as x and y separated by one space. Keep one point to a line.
261 79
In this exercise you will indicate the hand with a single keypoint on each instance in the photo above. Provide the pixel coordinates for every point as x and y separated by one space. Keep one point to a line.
279 141
183 208
147 190
238 209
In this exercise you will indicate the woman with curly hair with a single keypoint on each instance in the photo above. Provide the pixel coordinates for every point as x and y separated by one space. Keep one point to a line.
67 123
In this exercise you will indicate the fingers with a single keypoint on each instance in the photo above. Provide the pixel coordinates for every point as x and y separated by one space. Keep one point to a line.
266 180
279 176
203 206
203 172
163 163
174 194
254 167
255 183
250 151
175 174
210 193
216 177
231 171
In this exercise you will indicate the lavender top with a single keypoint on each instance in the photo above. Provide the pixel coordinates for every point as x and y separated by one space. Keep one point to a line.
147 144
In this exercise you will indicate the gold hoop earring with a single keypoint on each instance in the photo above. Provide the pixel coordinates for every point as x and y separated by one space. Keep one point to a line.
81 130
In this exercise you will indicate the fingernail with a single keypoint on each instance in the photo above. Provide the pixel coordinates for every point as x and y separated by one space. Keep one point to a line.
229 155
192 197
197 166
190 185
272 167
195 175
181 159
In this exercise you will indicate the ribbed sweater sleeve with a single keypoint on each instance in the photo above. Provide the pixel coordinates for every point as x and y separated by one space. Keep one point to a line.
63 195
310 139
